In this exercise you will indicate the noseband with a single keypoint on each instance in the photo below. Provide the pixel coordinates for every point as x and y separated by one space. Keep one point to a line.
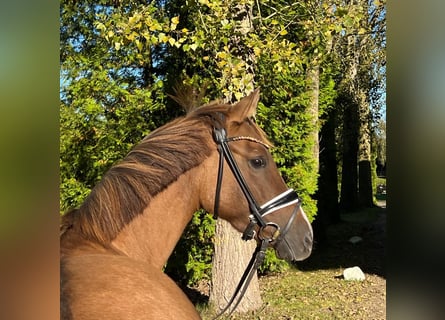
257 213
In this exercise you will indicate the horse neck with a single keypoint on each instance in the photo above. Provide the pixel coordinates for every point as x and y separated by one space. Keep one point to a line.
151 236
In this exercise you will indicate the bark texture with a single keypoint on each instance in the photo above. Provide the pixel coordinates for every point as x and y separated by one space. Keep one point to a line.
232 256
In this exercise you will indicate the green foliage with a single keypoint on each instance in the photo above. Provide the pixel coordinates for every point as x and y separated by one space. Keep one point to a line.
104 108
289 127
192 257
272 264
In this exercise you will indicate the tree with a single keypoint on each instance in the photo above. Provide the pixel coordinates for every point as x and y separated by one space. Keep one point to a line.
349 177
110 95
380 141
103 106
361 51
327 192
232 254
319 27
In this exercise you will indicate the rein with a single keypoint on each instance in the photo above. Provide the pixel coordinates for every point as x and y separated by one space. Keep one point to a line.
257 213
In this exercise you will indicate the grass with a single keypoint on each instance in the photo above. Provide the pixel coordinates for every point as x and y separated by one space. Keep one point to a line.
318 294
315 288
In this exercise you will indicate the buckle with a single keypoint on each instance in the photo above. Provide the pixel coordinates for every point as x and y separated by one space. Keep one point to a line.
219 135
249 232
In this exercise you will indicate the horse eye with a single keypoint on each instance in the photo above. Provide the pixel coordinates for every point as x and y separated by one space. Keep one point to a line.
257 163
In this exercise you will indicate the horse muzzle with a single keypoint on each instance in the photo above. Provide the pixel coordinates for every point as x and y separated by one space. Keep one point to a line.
293 241
296 243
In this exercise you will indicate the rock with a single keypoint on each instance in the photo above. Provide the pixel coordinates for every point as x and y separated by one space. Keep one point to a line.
354 273
355 239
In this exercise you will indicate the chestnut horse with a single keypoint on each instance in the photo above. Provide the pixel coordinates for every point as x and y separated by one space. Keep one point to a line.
114 246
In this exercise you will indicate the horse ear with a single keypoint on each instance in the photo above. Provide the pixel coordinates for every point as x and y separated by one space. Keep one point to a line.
246 107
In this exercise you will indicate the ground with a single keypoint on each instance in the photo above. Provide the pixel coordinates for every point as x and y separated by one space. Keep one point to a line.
315 288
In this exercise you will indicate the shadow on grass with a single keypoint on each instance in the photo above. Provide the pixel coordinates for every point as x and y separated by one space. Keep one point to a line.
338 252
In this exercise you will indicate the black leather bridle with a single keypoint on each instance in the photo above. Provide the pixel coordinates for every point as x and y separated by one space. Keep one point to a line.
257 213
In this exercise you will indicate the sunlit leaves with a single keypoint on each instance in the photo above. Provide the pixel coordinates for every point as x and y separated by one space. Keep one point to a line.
174 23
283 32
104 111
140 30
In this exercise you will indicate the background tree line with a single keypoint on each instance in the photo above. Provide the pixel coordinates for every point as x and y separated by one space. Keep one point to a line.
320 66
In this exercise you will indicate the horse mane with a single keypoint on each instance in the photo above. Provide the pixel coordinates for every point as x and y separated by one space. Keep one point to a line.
153 164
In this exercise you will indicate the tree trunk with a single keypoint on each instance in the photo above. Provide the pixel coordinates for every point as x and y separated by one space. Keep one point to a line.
313 86
351 126
327 193
231 258
349 177
232 254
364 163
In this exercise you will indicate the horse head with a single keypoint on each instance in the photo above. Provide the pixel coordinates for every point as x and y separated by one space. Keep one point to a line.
250 192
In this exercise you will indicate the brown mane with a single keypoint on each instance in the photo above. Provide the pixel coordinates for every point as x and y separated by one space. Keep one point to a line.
156 162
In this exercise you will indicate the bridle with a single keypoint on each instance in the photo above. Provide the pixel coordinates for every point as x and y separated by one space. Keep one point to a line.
257 213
